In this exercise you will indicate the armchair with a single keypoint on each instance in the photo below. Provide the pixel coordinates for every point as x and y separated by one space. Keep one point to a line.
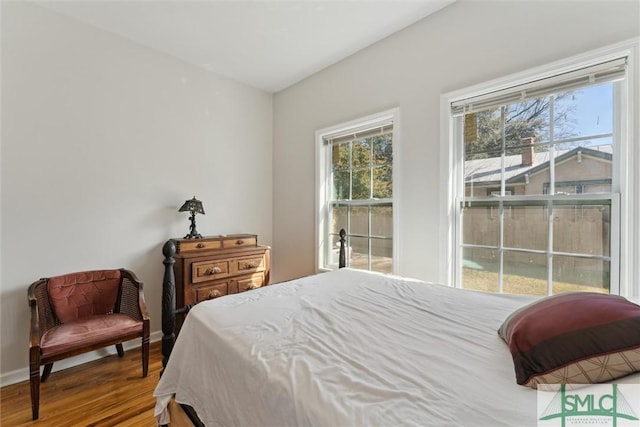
80 312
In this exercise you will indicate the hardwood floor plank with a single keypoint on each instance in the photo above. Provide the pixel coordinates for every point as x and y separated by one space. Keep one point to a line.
103 393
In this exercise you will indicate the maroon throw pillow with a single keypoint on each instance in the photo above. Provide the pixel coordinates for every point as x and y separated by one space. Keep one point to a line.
576 337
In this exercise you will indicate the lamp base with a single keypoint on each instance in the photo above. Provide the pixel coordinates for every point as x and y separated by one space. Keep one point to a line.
193 233
193 236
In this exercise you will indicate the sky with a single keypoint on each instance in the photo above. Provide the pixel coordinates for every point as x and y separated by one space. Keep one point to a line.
593 114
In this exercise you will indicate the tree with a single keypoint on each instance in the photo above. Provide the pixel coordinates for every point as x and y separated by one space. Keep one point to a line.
521 120
362 168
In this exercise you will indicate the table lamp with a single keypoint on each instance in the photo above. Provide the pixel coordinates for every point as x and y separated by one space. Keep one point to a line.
194 206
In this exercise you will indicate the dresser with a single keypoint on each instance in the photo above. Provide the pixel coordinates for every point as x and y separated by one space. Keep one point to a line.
216 266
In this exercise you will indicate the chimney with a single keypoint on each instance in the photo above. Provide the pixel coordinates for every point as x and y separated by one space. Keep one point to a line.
527 152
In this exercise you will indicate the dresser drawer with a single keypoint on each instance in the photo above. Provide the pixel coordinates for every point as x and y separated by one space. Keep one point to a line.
251 282
239 241
204 271
210 292
248 264
199 245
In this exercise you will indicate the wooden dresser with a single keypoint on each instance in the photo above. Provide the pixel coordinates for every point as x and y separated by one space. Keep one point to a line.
216 266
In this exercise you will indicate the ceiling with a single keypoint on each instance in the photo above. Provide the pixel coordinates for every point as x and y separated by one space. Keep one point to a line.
266 44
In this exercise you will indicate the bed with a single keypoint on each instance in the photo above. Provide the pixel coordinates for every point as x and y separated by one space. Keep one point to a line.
346 348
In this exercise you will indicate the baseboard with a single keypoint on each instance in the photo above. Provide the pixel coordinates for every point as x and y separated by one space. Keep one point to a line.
23 374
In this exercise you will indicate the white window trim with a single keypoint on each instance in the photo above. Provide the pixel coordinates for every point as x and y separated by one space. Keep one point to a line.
629 244
322 160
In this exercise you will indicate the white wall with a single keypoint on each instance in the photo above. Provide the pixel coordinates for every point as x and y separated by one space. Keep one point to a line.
102 141
466 43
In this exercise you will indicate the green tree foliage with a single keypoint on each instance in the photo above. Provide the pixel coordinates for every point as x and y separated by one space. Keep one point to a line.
521 120
362 168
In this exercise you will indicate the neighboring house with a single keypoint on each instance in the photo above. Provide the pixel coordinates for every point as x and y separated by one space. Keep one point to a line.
577 170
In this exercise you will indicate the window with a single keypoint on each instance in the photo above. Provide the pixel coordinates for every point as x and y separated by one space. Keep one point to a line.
355 193
538 192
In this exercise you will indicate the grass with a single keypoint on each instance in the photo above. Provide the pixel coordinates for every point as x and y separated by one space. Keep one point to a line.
515 284
487 281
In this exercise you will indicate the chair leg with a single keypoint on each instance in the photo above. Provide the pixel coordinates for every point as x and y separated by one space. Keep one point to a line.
145 356
120 350
34 382
46 371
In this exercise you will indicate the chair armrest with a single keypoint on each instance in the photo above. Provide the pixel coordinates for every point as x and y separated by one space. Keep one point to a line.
42 317
132 296
142 304
34 334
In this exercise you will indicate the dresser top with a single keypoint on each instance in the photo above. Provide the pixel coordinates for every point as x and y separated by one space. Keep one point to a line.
211 243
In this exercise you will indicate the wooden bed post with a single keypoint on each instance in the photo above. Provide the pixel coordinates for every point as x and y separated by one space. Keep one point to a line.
168 302
342 260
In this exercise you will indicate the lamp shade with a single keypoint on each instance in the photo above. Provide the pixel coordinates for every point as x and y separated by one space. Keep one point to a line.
192 205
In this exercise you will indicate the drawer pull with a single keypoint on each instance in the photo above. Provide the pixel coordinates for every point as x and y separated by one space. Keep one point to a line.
239 242
200 245
213 270
250 286
214 294
250 265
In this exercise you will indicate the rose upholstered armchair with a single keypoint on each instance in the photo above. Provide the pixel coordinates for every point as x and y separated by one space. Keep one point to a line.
80 312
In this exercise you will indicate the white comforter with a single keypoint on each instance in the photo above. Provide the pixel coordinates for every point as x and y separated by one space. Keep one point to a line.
348 348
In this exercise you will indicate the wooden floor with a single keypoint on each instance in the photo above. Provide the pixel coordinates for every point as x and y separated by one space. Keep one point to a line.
105 392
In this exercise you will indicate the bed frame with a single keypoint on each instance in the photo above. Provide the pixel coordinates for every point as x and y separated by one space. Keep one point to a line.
169 311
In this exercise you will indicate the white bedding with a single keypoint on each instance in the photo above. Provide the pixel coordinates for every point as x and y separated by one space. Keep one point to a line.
348 348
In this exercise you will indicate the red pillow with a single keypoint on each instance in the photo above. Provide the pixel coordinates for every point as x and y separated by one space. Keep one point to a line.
577 337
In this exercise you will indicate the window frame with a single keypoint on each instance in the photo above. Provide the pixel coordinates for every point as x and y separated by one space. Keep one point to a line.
323 176
625 182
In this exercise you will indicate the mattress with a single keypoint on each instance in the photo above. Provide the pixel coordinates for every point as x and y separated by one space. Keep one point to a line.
347 348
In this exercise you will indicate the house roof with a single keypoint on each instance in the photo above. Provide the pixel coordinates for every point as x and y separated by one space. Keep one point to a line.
487 171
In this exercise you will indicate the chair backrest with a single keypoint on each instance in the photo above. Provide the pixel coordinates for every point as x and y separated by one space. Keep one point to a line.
78 295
